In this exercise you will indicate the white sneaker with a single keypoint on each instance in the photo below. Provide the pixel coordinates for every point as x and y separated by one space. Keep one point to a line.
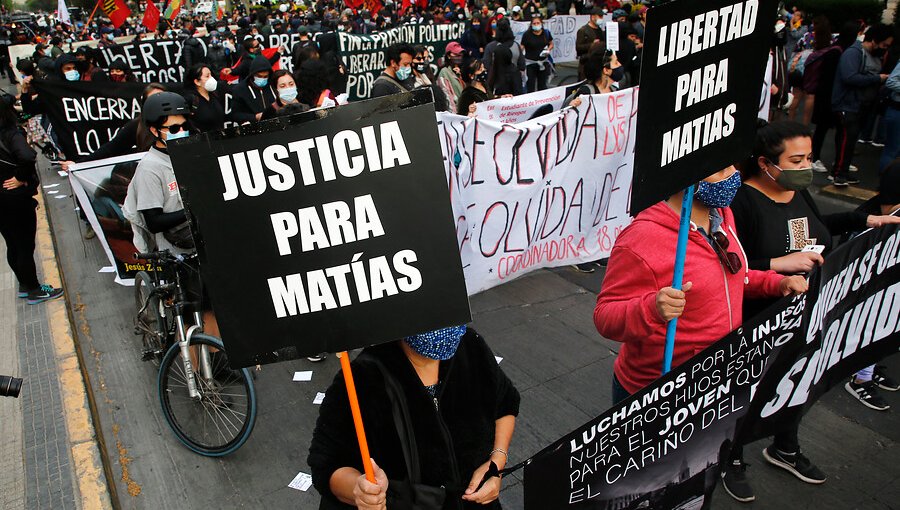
818 166
853 168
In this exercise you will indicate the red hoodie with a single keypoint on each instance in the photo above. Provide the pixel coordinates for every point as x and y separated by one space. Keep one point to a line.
641 263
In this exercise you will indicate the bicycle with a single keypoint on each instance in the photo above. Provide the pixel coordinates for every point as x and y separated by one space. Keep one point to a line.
211 411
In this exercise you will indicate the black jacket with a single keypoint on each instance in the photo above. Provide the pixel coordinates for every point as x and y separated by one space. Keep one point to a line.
474 392
17 159
250 99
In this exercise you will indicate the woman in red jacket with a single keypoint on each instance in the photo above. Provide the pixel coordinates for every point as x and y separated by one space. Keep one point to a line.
637 300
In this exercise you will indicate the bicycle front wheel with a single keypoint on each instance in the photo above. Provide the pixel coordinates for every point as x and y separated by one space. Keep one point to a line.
221 419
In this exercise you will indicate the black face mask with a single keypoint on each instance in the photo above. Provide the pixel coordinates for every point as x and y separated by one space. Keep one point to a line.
481 77
617 74
420 67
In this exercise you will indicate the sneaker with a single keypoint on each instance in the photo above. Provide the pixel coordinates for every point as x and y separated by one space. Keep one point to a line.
883 381
867 395
852 180
22 293
876 144
840 181
864 142
734 480
853 168
317 358
830 177
820 167
583 268
796 463
43 293
89 233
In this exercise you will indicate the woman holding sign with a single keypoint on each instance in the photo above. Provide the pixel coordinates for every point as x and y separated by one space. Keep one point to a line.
439 414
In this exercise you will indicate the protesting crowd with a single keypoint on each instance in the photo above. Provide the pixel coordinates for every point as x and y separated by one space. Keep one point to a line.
439 412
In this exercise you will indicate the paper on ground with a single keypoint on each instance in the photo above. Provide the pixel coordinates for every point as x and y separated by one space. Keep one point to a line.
63 173
319 398
48 186
306 375
52 191
62 196
498 358
301 482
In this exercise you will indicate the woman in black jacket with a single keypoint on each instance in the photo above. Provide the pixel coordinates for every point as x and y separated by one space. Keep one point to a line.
207 102
18 219
461 409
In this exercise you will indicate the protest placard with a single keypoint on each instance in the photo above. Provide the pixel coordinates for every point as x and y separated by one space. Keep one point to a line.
660 448
701 75
512 110
563 28
325 231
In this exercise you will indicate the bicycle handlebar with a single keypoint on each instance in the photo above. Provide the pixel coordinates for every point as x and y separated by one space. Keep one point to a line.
165 255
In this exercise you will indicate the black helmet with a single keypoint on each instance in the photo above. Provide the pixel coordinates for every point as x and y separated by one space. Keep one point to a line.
161 105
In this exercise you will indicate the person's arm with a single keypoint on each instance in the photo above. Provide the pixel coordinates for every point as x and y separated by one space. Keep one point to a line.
849 69
157 221
626 308
583 40
845 222
747 223
24 155
549 38
241 111
893 81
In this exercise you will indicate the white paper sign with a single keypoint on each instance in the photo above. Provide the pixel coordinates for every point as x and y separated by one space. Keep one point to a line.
319 398
612 36
306 375
512 110
301 482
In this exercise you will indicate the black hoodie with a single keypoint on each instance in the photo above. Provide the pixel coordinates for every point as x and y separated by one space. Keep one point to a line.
250 99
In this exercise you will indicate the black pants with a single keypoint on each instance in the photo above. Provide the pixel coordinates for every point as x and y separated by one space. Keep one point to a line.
18 225
537 77
784 440
845 136
819 135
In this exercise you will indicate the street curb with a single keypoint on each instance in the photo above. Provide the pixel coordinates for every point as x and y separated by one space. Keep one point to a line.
89 471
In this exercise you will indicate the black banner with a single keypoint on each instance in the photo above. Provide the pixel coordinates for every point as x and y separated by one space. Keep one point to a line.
661 447
85 116
702 71
324 231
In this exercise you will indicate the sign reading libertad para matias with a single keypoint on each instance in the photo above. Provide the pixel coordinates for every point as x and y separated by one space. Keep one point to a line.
324 234
702 69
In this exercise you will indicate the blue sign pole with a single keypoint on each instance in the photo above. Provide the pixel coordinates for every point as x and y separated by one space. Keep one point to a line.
678 277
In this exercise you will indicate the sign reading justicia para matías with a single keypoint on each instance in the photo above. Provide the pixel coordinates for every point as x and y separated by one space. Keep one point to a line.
701 74
325 231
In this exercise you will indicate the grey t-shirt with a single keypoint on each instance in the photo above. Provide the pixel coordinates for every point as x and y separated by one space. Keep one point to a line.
153 187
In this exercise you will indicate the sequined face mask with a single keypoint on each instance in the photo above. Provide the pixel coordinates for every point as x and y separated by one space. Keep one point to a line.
719 194
439 344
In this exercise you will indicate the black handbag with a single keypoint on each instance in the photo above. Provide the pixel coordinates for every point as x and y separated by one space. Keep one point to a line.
408 494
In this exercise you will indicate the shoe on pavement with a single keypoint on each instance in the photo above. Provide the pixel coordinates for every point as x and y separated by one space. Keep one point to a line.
876 144
89 233
853 168
22 293
583 268
864 142
867 395
830 177
795 463
734 480
43 293
820 167
852 180
317 358
840 181
884 381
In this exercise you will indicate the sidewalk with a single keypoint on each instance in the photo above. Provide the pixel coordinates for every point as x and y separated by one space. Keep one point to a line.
48 453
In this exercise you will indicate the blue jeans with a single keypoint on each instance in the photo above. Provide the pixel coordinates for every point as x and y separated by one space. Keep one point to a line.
891 138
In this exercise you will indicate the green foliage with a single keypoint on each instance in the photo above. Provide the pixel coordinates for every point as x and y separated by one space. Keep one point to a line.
840 11
40 5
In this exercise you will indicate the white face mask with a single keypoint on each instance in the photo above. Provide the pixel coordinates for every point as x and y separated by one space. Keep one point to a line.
861 37
210 84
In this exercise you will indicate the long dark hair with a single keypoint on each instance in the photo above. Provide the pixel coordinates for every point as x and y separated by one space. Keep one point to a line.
499 76
312 78
8 117
194 73
143 138
821 33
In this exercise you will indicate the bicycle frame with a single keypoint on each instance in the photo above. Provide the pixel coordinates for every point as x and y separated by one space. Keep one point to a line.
183 336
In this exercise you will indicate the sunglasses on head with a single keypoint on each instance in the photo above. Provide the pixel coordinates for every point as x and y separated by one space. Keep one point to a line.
729 259
175 128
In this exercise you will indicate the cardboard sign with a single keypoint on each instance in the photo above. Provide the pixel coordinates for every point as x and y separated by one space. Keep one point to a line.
325 231
563 28
701 75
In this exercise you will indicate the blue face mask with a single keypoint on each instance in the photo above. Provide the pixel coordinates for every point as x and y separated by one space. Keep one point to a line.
719 194
287 95
184 133
440 344
260 82
73 75
221 30
536 28
403 73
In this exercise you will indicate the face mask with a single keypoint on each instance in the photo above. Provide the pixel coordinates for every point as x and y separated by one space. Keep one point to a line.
438 345
617 74
403 73
73 75
482 76
221 30
536 28
719 194
794 179
476 27
210 84
175 136
861 37
117 77
109 37
493 26
260 82
420 68
287 95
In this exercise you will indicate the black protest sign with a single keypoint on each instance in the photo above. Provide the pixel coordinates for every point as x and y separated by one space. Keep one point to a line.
85 116
702 70
363 55
659 448
325 231
853 321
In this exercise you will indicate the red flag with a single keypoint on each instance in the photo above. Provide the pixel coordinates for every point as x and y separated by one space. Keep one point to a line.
116 11
151 16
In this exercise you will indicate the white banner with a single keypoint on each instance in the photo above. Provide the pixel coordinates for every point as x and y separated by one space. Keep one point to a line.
512 110
563 30
547 192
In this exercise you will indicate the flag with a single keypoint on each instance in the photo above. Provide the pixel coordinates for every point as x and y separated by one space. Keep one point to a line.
62 13
116 11
151 16
220 13
173 8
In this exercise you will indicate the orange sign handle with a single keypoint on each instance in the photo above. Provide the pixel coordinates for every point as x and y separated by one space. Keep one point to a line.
357 416
91 17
